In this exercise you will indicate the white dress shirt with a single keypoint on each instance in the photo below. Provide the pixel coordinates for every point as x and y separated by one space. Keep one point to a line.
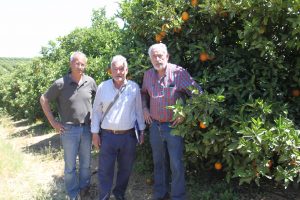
124 112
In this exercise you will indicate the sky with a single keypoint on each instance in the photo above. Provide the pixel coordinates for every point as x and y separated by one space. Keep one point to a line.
27 25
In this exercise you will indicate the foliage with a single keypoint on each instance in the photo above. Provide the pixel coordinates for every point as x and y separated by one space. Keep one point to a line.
8 64
250 68
244 54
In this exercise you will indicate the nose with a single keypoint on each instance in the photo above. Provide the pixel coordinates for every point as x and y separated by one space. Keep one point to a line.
157 58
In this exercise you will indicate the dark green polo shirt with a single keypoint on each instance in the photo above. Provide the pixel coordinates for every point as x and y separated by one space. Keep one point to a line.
74 100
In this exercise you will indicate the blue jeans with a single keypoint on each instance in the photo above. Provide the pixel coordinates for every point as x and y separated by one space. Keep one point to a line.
167 150
76 141
121 147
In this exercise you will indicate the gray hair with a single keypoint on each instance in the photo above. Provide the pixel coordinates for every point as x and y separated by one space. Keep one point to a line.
119 58
160 46
77 53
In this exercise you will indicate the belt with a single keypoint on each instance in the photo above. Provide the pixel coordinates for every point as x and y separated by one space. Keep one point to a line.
75 124
117 132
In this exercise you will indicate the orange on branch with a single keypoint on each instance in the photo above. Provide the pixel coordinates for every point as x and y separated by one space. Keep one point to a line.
163 34
185 16
218 166
202 125
194 3
158 38
203 56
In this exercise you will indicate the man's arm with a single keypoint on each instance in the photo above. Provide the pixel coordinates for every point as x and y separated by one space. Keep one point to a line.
145 102
47 111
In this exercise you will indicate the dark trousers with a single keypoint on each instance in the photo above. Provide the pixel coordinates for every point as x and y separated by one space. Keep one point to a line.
122 148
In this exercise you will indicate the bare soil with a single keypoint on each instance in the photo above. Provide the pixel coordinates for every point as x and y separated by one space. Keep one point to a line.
37 144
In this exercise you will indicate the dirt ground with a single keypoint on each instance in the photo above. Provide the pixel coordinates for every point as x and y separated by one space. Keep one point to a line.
37 145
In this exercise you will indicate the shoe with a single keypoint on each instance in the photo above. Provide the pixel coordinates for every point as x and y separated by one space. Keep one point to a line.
120 198
166 197
84 193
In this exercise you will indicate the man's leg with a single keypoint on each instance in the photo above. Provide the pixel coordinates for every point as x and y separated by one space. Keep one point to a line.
126 157
107 157
70 142
159 151
85 158
175 148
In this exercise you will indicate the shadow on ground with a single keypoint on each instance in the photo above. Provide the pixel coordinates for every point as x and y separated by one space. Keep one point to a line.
49 146
30 129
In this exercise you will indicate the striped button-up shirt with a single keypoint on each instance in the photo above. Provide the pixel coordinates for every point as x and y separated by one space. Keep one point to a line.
160 92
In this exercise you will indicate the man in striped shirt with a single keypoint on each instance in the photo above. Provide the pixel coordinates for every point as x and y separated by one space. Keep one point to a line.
162 86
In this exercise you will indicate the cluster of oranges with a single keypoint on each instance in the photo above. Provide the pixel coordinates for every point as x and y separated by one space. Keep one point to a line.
203 56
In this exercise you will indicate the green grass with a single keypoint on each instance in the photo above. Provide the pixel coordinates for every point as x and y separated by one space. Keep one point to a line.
11 161
26 169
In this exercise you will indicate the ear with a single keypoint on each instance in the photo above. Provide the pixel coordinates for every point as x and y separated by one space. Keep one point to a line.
168 55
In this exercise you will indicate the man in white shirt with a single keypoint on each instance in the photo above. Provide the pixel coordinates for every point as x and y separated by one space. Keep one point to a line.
117 140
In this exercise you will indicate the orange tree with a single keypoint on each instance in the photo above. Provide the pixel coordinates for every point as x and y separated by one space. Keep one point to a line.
245 55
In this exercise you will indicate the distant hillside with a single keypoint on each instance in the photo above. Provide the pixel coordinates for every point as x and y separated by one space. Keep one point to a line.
8 64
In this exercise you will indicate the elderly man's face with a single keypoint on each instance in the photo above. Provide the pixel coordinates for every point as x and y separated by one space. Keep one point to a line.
159 58
78 64
118 71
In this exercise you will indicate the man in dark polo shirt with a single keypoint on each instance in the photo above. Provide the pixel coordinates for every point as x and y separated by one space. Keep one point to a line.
73 94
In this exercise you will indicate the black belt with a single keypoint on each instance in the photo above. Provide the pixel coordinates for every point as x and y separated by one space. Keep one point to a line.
75 124
119 131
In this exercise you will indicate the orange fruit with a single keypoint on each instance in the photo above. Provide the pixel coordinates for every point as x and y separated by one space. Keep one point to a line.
194 3
163 34
218 166
177 29
185 16
295 92
203 56
158 38
202 125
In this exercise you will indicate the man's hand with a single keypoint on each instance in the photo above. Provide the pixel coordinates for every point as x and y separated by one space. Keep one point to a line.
96 141
142 137
177 121
58 126
147 116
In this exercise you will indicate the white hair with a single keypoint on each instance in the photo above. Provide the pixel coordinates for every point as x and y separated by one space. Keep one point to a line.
119 58
77 53
160 46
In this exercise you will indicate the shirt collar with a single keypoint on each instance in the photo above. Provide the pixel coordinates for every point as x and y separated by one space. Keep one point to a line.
70 80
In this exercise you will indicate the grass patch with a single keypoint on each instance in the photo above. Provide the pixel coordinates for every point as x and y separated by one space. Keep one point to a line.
11 161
